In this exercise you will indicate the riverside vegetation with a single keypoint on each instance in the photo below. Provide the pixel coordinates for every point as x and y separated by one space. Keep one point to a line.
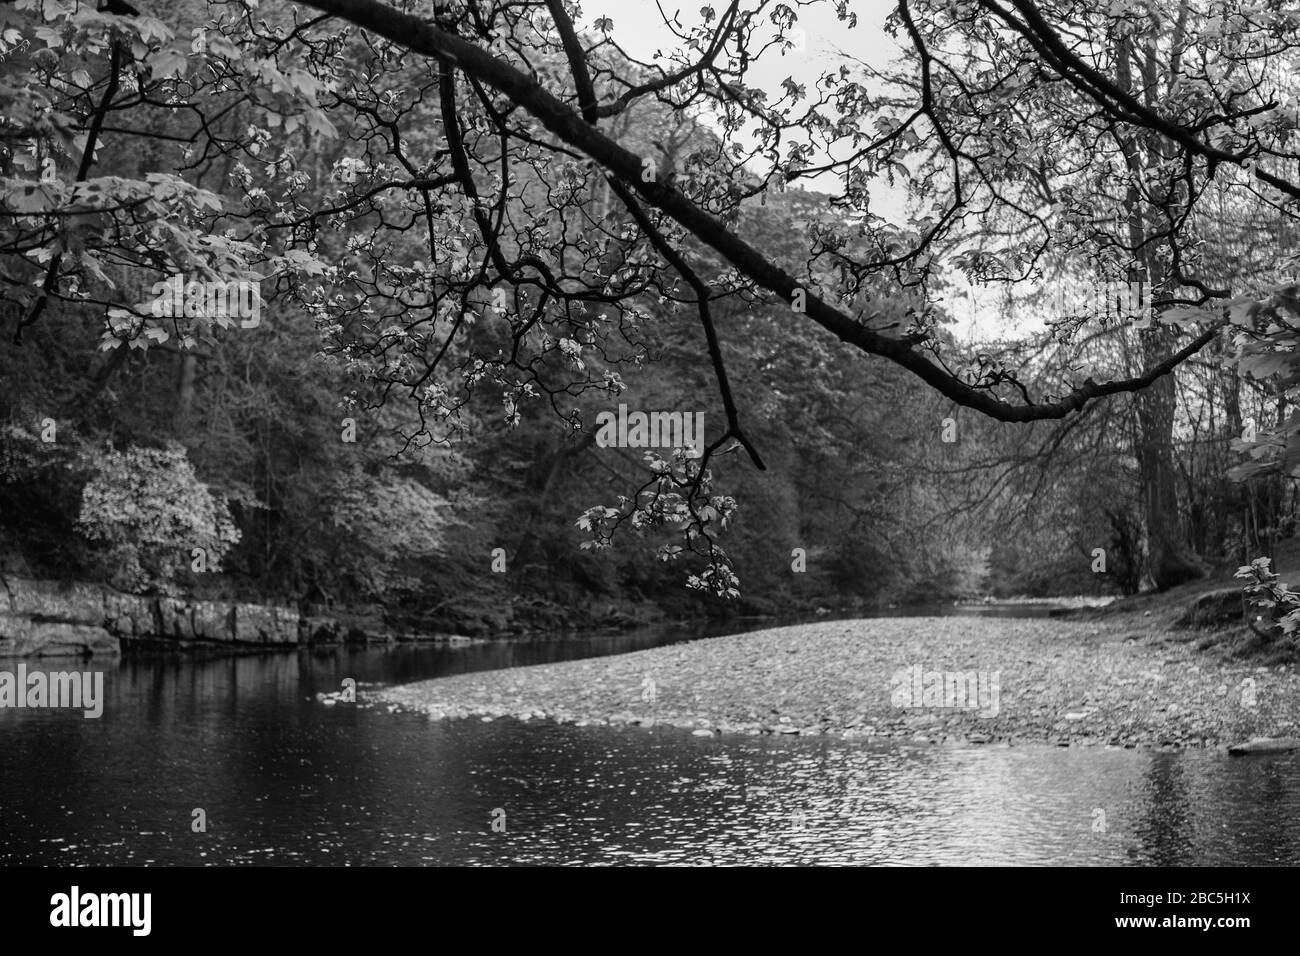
458 272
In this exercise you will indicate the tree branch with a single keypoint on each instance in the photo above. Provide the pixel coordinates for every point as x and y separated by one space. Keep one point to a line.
568 126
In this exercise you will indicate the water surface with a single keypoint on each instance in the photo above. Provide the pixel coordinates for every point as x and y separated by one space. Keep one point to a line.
284 780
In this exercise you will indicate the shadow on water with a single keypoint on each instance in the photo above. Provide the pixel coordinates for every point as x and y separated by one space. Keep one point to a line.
283 779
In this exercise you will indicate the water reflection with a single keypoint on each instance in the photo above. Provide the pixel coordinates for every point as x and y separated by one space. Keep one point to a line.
283 779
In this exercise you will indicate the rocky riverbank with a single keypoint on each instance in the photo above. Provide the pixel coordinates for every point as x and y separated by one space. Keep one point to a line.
43 618
1126 681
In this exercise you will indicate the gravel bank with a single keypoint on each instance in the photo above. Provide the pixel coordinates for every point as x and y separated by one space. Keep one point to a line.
1037 681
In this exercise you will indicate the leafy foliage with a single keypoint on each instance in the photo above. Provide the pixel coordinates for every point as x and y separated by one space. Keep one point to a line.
153 518
472 257
1267 591
393 526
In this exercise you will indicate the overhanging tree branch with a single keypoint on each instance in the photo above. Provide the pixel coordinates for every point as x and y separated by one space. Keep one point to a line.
570 127
1115 99
587 97
51 283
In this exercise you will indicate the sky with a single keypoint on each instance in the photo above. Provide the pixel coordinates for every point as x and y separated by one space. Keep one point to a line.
827 42
639 28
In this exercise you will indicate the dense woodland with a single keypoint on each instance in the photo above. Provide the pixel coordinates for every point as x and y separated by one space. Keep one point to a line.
449 280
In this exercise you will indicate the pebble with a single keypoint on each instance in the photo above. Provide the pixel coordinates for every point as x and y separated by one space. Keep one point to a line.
839 680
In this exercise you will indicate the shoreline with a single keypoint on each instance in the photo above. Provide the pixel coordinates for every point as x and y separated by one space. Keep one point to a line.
44 618
1059 682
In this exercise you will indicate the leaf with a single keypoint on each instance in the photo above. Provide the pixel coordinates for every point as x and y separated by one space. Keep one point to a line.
1262 365
169 63
30 198
1185 315
304 261
1243 311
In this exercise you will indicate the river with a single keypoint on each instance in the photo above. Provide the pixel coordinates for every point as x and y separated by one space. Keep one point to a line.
281 779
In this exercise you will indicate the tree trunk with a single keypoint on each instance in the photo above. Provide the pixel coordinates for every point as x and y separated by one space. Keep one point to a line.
1168 561
185 386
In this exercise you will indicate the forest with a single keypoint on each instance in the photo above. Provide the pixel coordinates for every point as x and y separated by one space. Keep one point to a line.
464 231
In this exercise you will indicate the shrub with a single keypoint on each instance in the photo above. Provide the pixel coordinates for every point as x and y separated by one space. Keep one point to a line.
146 512
1268 592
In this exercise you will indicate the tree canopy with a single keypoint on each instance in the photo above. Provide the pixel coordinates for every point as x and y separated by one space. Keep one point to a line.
491 214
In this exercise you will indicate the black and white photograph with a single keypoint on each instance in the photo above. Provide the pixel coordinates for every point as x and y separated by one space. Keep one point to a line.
623 434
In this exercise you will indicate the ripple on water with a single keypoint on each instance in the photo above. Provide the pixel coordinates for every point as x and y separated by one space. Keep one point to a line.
662 797
284 781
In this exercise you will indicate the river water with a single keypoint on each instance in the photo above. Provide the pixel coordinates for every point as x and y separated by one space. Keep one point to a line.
281 779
